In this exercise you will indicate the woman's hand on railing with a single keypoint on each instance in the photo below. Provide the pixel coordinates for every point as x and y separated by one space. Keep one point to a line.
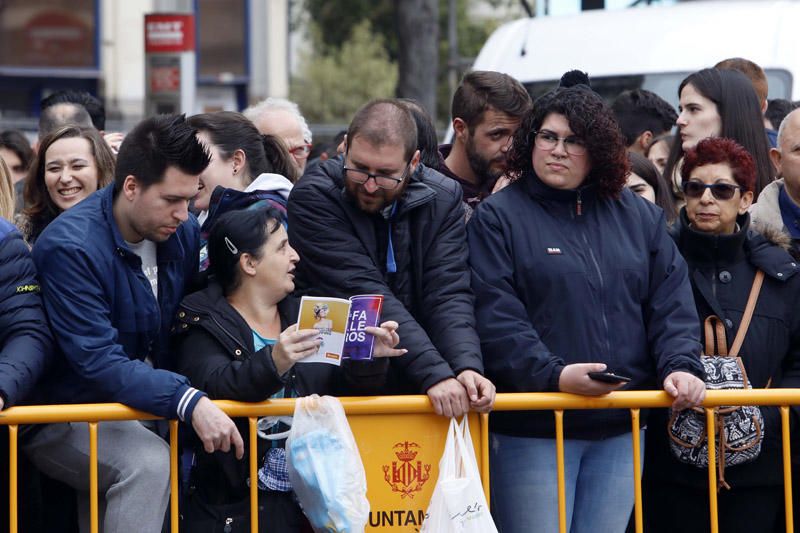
386 338
575 379
687 389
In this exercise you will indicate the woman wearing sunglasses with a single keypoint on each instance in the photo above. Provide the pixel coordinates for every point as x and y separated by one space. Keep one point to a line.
575 274
713 234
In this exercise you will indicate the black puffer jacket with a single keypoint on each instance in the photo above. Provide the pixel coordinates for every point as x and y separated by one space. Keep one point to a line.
343 252
214 349
721 269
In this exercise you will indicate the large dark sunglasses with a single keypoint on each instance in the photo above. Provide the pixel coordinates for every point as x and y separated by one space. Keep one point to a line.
720 191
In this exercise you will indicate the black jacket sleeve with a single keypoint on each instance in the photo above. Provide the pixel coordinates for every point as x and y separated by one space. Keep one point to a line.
210 368
448 301
335 262
25 341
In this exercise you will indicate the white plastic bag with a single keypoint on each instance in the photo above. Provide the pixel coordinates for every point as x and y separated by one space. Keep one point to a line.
458 504
325 468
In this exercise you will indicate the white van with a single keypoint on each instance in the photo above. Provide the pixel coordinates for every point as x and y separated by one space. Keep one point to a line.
650 47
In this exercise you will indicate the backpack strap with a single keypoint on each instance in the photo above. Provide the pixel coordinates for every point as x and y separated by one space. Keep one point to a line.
715 341
748 313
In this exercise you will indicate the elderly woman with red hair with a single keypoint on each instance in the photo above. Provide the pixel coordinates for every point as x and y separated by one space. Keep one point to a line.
713 234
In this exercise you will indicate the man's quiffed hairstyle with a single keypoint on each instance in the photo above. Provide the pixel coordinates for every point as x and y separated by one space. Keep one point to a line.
483 89
590 119
155 144
383 122
638 111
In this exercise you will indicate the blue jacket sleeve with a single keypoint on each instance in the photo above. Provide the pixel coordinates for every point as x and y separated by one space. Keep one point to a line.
673 328
514 356
25 341
80 317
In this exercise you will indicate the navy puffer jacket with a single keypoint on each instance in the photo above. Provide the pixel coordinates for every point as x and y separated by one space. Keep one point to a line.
565 277
25 341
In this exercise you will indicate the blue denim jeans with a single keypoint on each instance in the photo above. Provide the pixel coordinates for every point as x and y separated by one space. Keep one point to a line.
598 483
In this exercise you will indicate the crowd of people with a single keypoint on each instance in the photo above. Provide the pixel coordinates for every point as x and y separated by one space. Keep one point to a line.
564 244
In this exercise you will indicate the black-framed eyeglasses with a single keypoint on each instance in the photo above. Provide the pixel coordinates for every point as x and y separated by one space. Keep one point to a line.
547 140
720 191
384 182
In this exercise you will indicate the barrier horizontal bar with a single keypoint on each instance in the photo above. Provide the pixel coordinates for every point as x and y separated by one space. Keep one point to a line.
382 405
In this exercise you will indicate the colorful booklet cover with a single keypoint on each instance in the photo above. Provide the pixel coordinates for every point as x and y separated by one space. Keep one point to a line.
365 311
341 324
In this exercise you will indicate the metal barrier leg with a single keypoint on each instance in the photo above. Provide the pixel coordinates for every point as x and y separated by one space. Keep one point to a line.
484 418
787 469
253 474
173 476
562 492
712 469
12 479
637 471
93 525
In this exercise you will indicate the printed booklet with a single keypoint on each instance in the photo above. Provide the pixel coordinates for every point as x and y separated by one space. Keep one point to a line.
341 324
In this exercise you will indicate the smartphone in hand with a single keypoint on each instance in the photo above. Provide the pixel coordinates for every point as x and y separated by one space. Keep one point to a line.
608 377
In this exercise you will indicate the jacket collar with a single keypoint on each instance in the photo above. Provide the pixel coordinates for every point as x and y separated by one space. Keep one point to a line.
706 248
701 248
167 251
580 198
766 213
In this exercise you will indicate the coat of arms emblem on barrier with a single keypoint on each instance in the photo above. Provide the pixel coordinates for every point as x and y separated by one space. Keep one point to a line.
406 475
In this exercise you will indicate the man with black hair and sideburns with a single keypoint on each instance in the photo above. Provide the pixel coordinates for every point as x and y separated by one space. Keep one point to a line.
377 221
113 271
642 116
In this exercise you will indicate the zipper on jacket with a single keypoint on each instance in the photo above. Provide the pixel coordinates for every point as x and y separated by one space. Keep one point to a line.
602 289
579 204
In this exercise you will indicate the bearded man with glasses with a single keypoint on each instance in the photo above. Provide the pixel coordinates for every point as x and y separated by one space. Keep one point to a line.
377 221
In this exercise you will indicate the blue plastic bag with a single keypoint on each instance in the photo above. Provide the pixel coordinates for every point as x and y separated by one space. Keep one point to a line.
325 467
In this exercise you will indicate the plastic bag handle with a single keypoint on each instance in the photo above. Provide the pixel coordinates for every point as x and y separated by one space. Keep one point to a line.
465 456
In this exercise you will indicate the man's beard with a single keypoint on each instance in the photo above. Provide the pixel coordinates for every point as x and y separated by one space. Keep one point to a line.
482 167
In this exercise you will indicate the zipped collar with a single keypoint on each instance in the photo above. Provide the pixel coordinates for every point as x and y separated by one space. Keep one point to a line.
580 199
703 248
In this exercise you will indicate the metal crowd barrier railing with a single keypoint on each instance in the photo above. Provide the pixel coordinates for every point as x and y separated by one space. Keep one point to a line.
389 405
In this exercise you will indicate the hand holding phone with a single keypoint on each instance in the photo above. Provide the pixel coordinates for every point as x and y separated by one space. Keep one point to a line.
608 377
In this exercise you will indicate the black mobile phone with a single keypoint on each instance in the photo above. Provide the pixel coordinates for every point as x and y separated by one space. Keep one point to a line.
608 377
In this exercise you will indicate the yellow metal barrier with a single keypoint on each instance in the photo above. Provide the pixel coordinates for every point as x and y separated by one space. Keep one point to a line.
407 405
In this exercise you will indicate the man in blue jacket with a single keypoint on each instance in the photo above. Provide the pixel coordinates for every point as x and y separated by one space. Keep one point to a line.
113 270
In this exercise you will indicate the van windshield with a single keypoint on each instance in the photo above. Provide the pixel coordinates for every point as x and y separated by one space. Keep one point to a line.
663 84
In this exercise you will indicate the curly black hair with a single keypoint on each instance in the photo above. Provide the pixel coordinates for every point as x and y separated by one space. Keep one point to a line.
590 119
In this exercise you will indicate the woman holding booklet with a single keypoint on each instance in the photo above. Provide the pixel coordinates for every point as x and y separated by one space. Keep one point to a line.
237 340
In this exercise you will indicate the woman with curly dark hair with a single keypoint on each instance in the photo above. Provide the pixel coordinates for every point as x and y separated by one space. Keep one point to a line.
578 289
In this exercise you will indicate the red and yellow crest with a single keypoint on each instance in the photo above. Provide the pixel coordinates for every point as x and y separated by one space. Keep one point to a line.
406 475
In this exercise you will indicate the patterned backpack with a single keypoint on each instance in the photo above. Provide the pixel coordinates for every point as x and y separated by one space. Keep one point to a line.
739 429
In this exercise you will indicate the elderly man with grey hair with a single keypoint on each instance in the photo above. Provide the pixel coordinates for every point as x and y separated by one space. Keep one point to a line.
777 212
282 118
